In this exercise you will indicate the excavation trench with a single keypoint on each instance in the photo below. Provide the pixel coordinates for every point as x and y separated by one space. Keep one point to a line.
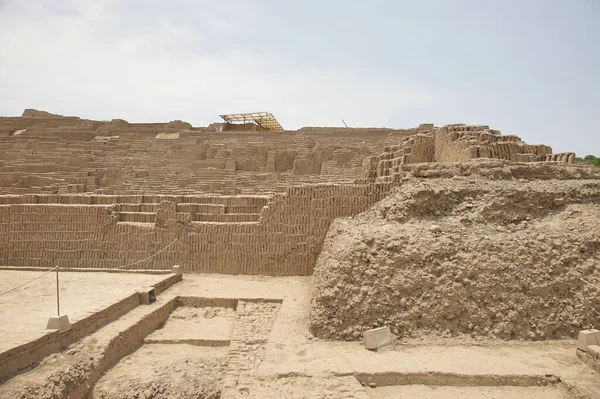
178 347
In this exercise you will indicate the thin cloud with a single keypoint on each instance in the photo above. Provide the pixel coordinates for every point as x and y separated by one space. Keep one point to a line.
397 66
150 73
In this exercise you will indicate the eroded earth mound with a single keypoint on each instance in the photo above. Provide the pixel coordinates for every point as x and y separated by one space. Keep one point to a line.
448 256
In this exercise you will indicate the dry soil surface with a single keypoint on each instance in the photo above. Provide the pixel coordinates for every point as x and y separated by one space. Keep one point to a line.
502 259
199 326
294 364
25 311
291 350
164 371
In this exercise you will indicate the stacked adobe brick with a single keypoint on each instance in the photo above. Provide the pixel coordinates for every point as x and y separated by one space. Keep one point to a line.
458 143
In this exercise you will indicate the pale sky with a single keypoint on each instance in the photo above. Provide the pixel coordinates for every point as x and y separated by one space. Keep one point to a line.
526 67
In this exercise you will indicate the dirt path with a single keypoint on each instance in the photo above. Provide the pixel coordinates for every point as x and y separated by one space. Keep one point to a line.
286 361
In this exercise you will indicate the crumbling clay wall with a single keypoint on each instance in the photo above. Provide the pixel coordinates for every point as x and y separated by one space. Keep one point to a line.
464 256
417 149
458 143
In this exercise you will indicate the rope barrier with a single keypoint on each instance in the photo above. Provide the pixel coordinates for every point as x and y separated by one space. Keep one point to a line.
588 283
149 257
54 268
594 279
30 281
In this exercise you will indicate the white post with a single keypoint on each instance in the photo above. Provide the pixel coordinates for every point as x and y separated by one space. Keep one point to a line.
57 294
60 323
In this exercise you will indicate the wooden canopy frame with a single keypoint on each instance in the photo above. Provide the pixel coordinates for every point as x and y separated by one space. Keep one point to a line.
265 120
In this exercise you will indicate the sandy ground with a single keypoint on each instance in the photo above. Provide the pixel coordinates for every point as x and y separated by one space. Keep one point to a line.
291 363
165 371
25 312
198 326
291 349
442 392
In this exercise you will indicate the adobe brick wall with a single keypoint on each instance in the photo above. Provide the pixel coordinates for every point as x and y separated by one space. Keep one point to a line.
458 143
4 234
76 161
285 240
241 202
455 143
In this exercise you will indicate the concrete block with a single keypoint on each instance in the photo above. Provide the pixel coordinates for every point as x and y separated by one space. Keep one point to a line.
377 337
147 296
593 351
60 323
587 338
176 269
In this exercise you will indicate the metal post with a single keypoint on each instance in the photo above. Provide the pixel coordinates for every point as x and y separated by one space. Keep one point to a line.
57 294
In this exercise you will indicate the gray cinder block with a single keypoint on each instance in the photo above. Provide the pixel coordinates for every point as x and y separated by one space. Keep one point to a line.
377 337
587 338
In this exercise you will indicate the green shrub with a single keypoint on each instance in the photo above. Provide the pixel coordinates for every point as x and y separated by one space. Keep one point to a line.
589 159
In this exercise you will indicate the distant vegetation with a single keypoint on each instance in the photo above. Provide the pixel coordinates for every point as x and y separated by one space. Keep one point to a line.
589 159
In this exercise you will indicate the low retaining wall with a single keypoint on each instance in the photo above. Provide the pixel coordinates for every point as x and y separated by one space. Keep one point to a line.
22 356
100 352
